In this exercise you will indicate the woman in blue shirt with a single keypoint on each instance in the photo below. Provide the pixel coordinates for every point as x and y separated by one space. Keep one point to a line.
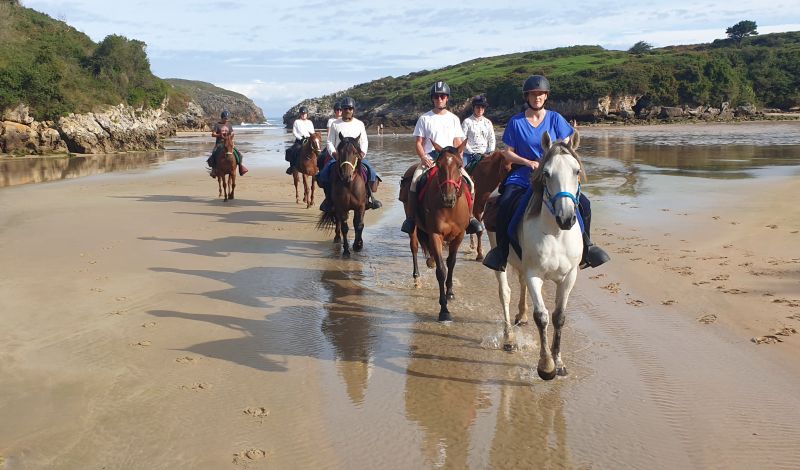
523 138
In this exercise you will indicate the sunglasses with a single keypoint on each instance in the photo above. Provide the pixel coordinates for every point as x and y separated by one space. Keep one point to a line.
348 107
439 97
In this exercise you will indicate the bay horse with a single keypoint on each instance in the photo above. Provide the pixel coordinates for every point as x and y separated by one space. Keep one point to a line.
348 193
306 165
443 216
225 165
487 175
552 245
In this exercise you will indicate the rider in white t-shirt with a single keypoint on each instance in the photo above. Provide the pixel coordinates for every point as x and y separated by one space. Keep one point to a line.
479 131
302 129
443 127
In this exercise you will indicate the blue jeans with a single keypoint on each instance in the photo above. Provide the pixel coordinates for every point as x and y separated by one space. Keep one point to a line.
324 174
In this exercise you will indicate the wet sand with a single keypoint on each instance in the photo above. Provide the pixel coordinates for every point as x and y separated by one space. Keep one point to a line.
147 324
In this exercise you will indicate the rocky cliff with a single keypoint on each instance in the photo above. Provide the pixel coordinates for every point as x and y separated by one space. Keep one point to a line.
213 100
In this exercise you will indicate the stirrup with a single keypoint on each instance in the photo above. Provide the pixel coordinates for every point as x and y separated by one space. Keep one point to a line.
475 226
289 171
374 203
408 226
594 257
494 260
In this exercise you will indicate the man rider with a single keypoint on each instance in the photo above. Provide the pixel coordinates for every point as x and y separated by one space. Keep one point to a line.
479 131
349 126
443 127
523 139
221 127
301 129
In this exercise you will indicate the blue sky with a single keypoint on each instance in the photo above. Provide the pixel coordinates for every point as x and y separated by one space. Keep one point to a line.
279 53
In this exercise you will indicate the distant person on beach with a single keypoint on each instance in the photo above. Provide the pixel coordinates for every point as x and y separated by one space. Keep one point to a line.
349 126
380 129
220 128
523 139
301 129
443 127
479 131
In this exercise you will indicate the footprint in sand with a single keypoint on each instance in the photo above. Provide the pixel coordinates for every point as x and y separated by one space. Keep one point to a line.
734 223
767 339
772 226
669 302
624 250
664 210
734 291
149 324
707 319
727 246
597 276
198 386
245 457
186 360
788 302
612 287
786 331
121 299
795 231
721 277
700 283
715 217
256 411
96 289
142 344
634 302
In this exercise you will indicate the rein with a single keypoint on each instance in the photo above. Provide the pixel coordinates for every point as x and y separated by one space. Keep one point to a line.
550 200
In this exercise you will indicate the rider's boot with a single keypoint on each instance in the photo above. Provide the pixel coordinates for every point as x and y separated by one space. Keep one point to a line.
593 255
242 170
411 213
326 205
289 170
475 226
497 257
210 163
373 203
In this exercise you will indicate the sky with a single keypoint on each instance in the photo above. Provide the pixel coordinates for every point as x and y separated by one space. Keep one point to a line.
279 53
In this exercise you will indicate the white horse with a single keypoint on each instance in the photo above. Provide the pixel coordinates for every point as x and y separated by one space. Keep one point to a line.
551 245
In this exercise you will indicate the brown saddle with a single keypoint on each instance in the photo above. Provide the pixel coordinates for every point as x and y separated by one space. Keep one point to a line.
405 184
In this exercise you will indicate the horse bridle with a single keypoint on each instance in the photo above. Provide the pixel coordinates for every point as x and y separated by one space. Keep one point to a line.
457 183
346 162
550 200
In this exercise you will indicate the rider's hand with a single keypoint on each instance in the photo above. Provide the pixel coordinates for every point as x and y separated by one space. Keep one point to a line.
427 162
534 164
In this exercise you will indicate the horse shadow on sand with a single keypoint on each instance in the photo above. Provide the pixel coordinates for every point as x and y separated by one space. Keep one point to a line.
223 247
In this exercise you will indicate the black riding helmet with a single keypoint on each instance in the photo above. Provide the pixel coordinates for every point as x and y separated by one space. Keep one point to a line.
440 88
225 115
303 110
480 100
337 106
348 102
536 83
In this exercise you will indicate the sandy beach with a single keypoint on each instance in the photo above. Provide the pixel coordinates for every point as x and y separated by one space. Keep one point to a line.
147 324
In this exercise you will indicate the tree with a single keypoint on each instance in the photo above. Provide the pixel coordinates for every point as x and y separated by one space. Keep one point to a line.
742 30
640 48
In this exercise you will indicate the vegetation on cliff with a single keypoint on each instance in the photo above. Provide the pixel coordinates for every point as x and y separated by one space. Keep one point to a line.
56 69
214 100
759 70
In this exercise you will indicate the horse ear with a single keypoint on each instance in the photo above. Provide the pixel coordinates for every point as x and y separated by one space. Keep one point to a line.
436 146
341 137
461 147
546 141
574 140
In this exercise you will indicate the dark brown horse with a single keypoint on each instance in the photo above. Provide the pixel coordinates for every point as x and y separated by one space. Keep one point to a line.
348 193
443 216
225 165
306 165
487 175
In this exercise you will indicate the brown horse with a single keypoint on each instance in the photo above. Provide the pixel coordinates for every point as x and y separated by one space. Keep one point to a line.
348 193
306 165
487 175
225 165
443 216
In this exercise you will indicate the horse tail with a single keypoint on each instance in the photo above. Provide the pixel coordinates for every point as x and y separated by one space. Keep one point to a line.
327 221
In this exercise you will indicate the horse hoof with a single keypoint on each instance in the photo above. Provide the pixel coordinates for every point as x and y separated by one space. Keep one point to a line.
444 317
346 254
479 257
417 283
450 296
561 371
357 246
430 263
546 375
337 239
509 347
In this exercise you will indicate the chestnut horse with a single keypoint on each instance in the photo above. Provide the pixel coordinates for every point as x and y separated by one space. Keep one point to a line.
443 216
225 165
348 193
306 165
487 175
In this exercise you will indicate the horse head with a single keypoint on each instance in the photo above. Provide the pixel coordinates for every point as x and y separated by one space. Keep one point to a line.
556 183
313 146
348 156
227 140
449 164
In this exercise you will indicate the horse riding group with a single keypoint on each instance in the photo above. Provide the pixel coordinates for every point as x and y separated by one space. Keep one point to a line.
444 201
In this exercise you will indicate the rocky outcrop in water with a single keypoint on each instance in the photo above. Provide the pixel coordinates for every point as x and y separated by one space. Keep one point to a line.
20 133
212 100
120 128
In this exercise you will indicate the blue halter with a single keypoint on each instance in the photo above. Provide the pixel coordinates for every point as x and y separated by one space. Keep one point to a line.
551 200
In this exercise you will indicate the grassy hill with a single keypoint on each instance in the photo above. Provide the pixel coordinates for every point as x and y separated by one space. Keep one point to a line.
214 100
56 69
761 70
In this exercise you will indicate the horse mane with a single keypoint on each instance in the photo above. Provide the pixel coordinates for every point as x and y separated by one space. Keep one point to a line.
537 178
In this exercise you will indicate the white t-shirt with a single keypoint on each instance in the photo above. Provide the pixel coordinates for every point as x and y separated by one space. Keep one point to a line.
480 134
351 128
330 121
441 128
302 128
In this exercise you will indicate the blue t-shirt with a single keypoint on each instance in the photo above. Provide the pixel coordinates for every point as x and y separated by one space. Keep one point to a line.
527 141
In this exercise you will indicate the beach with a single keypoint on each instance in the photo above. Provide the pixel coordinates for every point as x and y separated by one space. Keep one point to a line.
149 324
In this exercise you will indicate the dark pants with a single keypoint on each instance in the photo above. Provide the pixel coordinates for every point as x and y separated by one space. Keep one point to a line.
293 151
212 160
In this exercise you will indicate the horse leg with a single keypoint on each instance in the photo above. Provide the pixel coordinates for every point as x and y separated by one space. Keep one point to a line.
232 182
559 318
546 368
522 314
345 230
414 242
313 184
219 183
296 179
305 191
479 244
504 292
435 249
451 264
358 223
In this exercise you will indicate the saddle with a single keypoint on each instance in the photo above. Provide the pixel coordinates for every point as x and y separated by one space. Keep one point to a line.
476 158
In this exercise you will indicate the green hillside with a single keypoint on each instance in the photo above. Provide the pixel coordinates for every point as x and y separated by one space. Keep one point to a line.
762 70
56 69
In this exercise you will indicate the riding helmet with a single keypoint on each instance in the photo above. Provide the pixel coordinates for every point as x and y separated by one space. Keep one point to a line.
337 106
480 100
440 88
348 102
225 115
303 110
536 83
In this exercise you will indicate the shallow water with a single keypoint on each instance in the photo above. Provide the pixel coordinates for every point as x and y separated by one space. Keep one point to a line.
396 389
